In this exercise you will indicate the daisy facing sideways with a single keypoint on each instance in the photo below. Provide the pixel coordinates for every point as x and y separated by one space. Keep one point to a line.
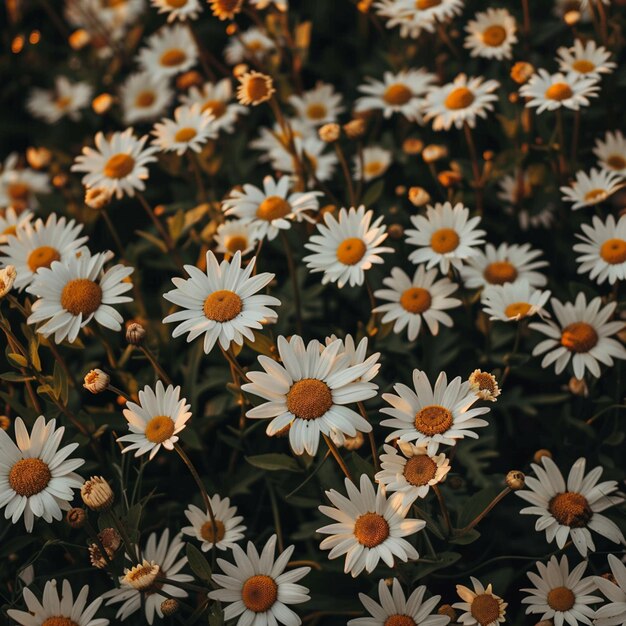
433 416
581 333
482 607
591 189
345 248
512 302
368 527
222 303
309 392
491 34
548 92
235 236
256 588
376 162
11 221
178 9
611 152
613 612
416 299
37 478
572 510
19 186
169 51
394 609
74 292
156 421
67 99
586 59
58 608
189 130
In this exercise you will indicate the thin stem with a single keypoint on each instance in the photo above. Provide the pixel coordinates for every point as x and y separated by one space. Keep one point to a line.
195 166
478 185
370 436
119 392
526 12
603 22
444 509
305 563
294 280
232 360
113 232
488 508
160 372
342 464
276 516
575 135
167 240
59 359
346 173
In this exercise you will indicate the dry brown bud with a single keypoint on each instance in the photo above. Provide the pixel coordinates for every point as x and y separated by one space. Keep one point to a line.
76 517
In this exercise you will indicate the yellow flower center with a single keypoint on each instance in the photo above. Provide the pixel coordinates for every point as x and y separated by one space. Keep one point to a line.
420 470
583 66
63 102
579 337
173 57
500 272
10 230
259 593
159 429
184 135
350 251
399 620
236 243
81 295
257 88
416 300
485 382
371 529
559 91
616 162
207 533
58 621
433 420
216 107
613 251
485 609
43 256
373 168
309 398
18 191
595 195
119 166
222 306
145 99
316 111
459 98
570 509
494 36
176 4
444 240
273 208
517 308
426 4
561 599
29 477
397 94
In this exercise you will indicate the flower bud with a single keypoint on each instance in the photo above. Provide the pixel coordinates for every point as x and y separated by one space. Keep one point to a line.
578 387
521 72
354 129
434 152
135 333
96 381
448 611
418 196
97 198
189 79
97 494
412 145
515 480
79 39
354 443
540 454
5 422
76 517
38 158
142 577
330 132
169 606
102 103
449 178
7 278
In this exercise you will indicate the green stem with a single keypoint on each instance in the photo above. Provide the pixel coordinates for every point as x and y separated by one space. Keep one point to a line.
342 464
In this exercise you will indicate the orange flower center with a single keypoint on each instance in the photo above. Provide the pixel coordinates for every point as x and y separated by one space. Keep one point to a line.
351 251
309 398
485 609
485 382
63 102
583 66
145 99
222 306
273 208
208 534
173 57
616 162
416 300
559 91
444 240
500 272
216 107
570 509
373 168
42 257
613 251
18 191
58 621
159 429
10 230
81 295
595 195
259 593
119 166
184 135
579 337
257 88
459 98
316 111
420 470
494 36
399 620
236 243
433 420
28 477
176 4
561 599
371 529
397 94
516 309
427 4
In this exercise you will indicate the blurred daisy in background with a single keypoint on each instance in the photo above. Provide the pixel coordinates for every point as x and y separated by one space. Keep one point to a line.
481 605
513 302
317 106
586 59
169 51
404 14
189 130
252 44
19 186
491 34
254 88
416 299
611 152
516 190
178 9
613 612
144 97
281 5
11 221
226 9
548 92
591 189
376 162
236 236
66 99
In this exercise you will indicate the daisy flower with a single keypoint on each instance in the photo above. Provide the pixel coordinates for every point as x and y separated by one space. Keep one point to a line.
61 609
355 354
368 527
591 189
216 99
36 477
412 470
548 92
508 263
317 106
512 302
67 99
19 186
236 236
611 152
484 385
257 589
227 530
169 51
156 421
11 221
160 557
73 292
560 595
613 612
433 416
37 245
281 5
376 162
416 299
572 510
491 34
402 93
445 236
271 209
254 88
222 303
178 9
603 250
587 59
404 14
345 248
583 334
481 605
309 391
144 97
460 102
396 609
189 130
251 44
118 164
226 9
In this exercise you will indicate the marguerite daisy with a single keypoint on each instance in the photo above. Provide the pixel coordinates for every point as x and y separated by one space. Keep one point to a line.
407 16
593 188
491 34
169 51
236 236
513 302
586 59
613 612
19 186
222 303
67 99
548 92
144 97
611 152
178 9
368 527
433 416
226 9
252 44
189 130
571 510
481 605
318 106
376 162
11 221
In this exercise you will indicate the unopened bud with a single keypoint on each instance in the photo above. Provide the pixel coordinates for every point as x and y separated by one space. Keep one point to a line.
521 72
135 333
97 197
102 103
540 454
76 517
5 422
169 606
354 443
449 178
97 494
515 480
330 132
396 231
354 129
96 381
434 152
418 196
189 79
571 18
79 39
578 387
38 158
448 611
412 146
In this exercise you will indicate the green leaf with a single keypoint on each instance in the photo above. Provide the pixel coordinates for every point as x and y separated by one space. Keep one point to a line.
216 615
33 352
362 466
373 193
477 504
14 377
466 538
17 359
198 563
274 462
153 240
176 224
